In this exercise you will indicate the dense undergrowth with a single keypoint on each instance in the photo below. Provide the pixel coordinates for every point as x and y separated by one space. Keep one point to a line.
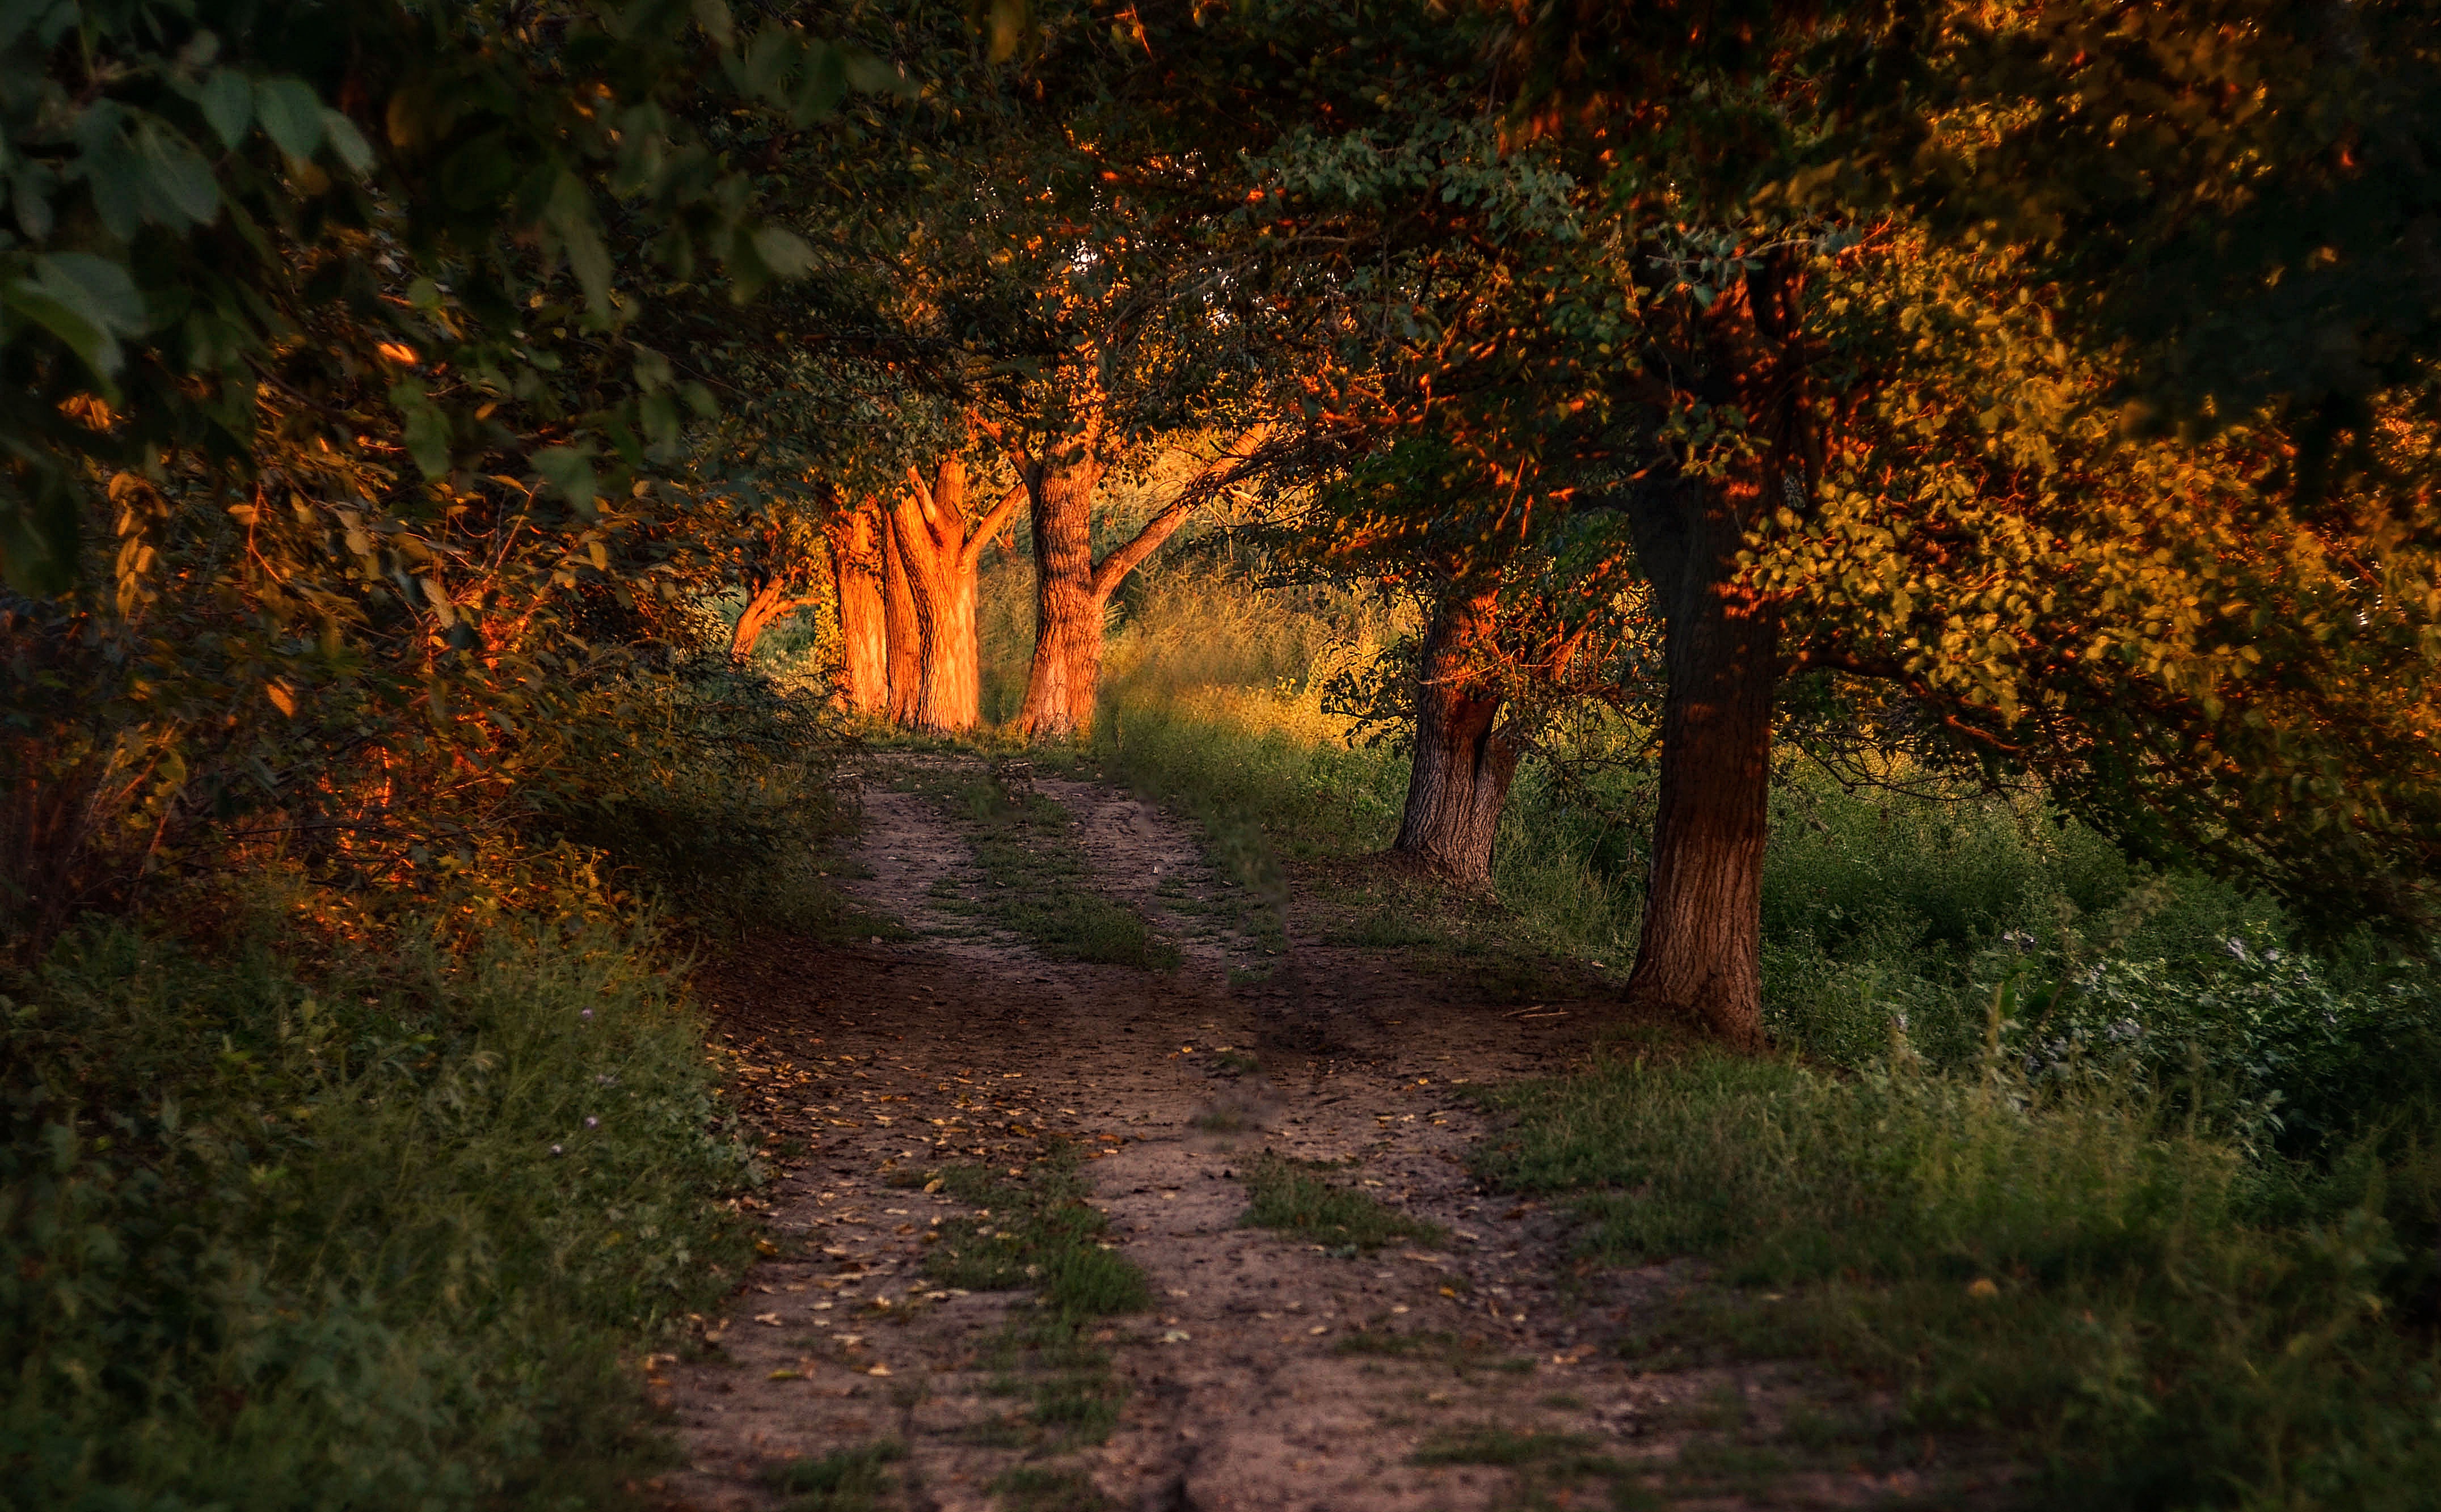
349 1180
2171 1319
2117 1163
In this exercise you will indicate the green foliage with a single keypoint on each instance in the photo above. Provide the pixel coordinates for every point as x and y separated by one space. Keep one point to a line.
1929 916
180 178
706 788
303 1218
2168 1321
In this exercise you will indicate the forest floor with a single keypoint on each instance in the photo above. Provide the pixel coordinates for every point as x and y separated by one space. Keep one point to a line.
1409 1341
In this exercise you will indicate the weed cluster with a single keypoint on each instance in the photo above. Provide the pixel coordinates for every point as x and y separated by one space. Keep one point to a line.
1039 1233
1293 1197
848 1479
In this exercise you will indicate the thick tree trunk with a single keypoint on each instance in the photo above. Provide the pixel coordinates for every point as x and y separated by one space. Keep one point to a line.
950 695
941 550
865 640
1462 768
1065 677
906 635
1700 952
1071 590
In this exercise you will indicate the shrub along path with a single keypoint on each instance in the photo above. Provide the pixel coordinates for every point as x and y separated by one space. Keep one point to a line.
1013 1261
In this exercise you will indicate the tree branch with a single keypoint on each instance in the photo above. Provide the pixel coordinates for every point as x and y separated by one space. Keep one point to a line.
990 523
1229 468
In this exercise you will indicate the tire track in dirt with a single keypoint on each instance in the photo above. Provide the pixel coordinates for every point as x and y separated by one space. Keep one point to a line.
1273 1374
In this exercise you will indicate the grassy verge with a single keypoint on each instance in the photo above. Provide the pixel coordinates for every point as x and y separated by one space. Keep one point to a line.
2166 1319
1036 883
321 1216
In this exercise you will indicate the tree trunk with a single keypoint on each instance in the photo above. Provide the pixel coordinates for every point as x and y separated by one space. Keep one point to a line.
1462 768
1061 684
1071 590
764 607
1700 956
865 640
906 635
942 551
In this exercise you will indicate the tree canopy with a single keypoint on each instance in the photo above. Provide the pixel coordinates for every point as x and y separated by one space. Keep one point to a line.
2046 389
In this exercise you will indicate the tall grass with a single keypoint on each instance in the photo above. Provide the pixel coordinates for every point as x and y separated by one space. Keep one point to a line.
304 1219
351 1180
2167 1319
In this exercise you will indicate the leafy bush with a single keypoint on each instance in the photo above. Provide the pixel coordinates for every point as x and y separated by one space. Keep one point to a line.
706 786
2272 1029
297 1218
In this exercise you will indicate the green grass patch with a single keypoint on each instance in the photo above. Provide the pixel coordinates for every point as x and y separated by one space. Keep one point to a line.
2164 1315
1041 1488
1491 1444
1039 1233
1293 1197
1036 883
848 1479
1457 1353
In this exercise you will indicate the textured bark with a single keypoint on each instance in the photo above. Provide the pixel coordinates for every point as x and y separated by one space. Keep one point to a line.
1463 769
1700 952
906 638
1061 685
941 549
1700 956
864 643
1071 591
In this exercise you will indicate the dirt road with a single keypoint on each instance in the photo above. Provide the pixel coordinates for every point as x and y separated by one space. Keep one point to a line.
1471 1365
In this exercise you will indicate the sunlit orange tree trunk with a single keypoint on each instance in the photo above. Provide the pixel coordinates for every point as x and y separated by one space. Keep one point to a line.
903 638
864 638
1071 590
783 575
941 548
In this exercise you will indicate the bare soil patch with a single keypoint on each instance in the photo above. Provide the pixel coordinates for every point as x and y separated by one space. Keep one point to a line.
1277 1369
